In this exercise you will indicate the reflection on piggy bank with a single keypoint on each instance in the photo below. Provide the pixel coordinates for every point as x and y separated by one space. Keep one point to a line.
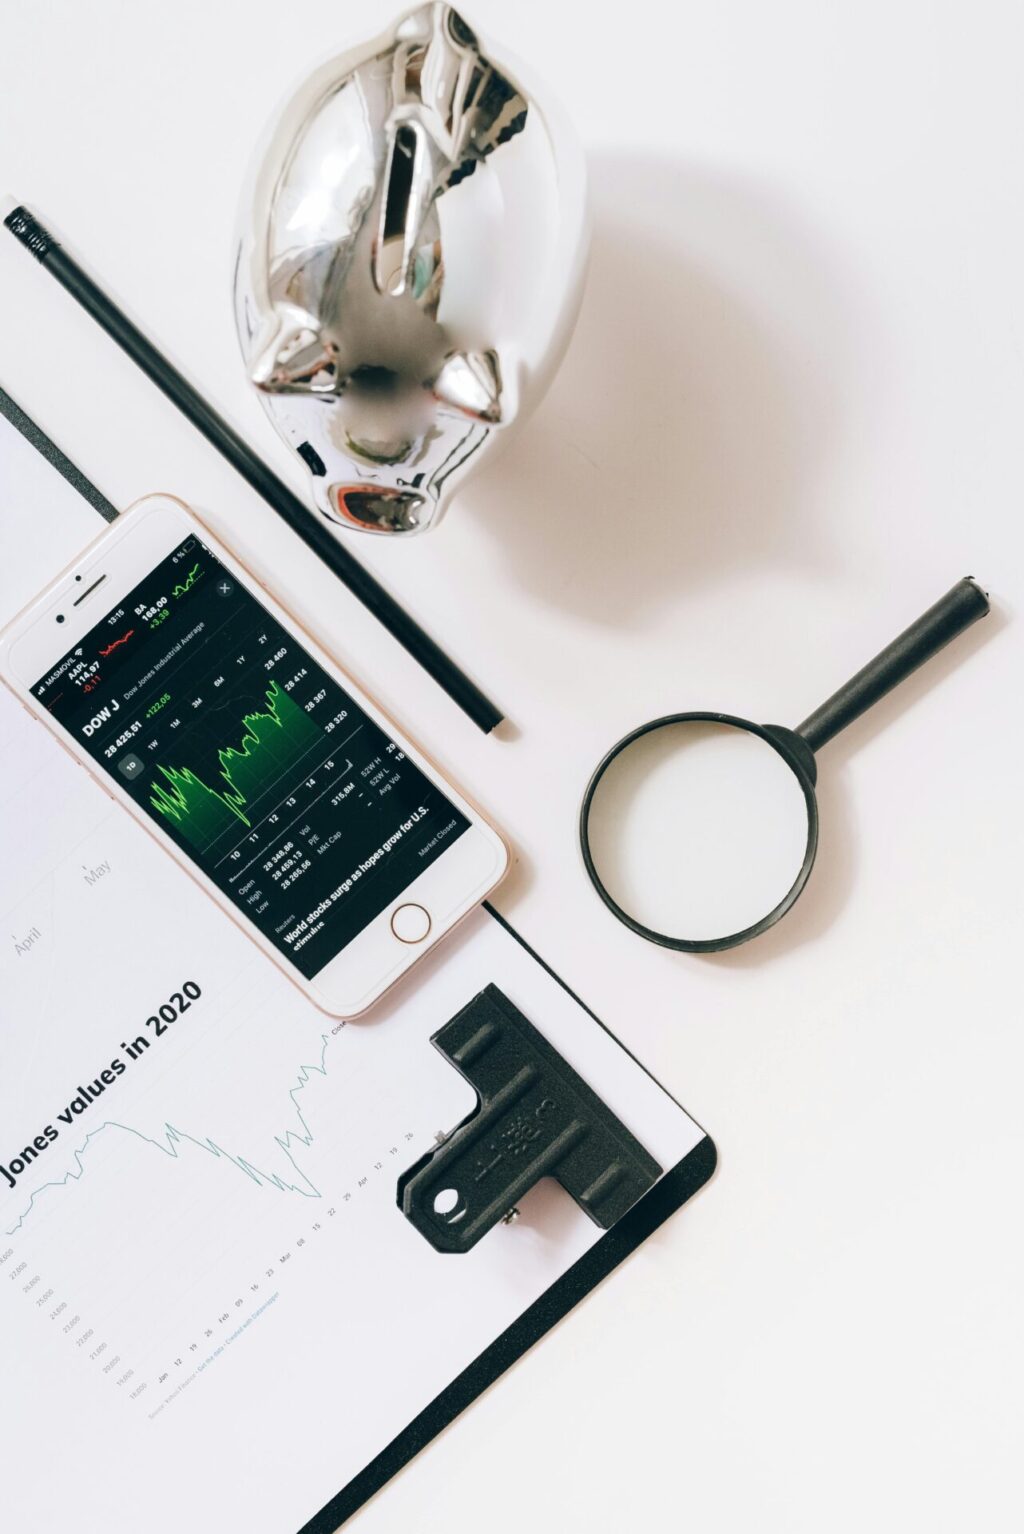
410 269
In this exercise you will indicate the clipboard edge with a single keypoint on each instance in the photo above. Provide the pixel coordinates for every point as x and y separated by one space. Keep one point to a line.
673 1189
665 1198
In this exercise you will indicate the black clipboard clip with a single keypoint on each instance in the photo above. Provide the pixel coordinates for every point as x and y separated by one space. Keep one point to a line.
535 1117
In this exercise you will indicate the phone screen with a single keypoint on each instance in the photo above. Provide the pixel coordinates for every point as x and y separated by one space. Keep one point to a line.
230 736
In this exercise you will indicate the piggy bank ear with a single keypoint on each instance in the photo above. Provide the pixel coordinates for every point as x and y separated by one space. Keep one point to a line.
470 382
292 358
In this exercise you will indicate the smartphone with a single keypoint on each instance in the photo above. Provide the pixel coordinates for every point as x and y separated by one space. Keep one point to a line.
201 705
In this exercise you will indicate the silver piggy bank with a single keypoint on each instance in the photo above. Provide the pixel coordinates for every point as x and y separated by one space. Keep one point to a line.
410 268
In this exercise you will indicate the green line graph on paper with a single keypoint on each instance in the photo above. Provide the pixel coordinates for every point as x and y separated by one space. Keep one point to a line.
274 738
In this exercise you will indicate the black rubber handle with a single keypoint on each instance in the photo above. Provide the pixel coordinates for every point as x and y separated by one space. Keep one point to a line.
956 611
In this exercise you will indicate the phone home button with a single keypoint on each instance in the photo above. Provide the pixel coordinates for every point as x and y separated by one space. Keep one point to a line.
410 923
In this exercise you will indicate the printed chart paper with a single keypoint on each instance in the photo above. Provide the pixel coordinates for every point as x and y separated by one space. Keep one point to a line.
210 1302
200 1250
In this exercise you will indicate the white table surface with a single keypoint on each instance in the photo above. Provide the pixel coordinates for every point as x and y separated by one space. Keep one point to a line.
791 417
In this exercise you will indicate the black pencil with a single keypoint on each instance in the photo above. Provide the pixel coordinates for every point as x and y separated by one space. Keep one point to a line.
310 528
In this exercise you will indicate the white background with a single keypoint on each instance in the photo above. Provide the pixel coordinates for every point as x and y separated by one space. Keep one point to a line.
791 417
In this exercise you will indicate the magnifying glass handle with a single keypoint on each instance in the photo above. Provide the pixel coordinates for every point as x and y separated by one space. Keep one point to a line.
956 611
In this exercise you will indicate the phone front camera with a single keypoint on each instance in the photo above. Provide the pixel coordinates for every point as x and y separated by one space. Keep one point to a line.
60 617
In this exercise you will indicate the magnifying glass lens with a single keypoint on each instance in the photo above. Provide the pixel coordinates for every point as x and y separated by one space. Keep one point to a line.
698 829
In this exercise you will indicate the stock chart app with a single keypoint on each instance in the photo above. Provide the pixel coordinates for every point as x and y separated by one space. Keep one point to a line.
233 739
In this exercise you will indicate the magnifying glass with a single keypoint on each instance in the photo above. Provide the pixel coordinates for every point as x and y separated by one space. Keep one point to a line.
699 830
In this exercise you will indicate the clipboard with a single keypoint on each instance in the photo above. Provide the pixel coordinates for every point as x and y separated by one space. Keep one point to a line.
672 1190
229 1142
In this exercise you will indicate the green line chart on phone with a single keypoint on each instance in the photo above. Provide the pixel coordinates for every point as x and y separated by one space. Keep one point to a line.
273 742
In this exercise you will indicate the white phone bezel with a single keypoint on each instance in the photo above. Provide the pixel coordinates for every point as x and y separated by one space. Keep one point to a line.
34 642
